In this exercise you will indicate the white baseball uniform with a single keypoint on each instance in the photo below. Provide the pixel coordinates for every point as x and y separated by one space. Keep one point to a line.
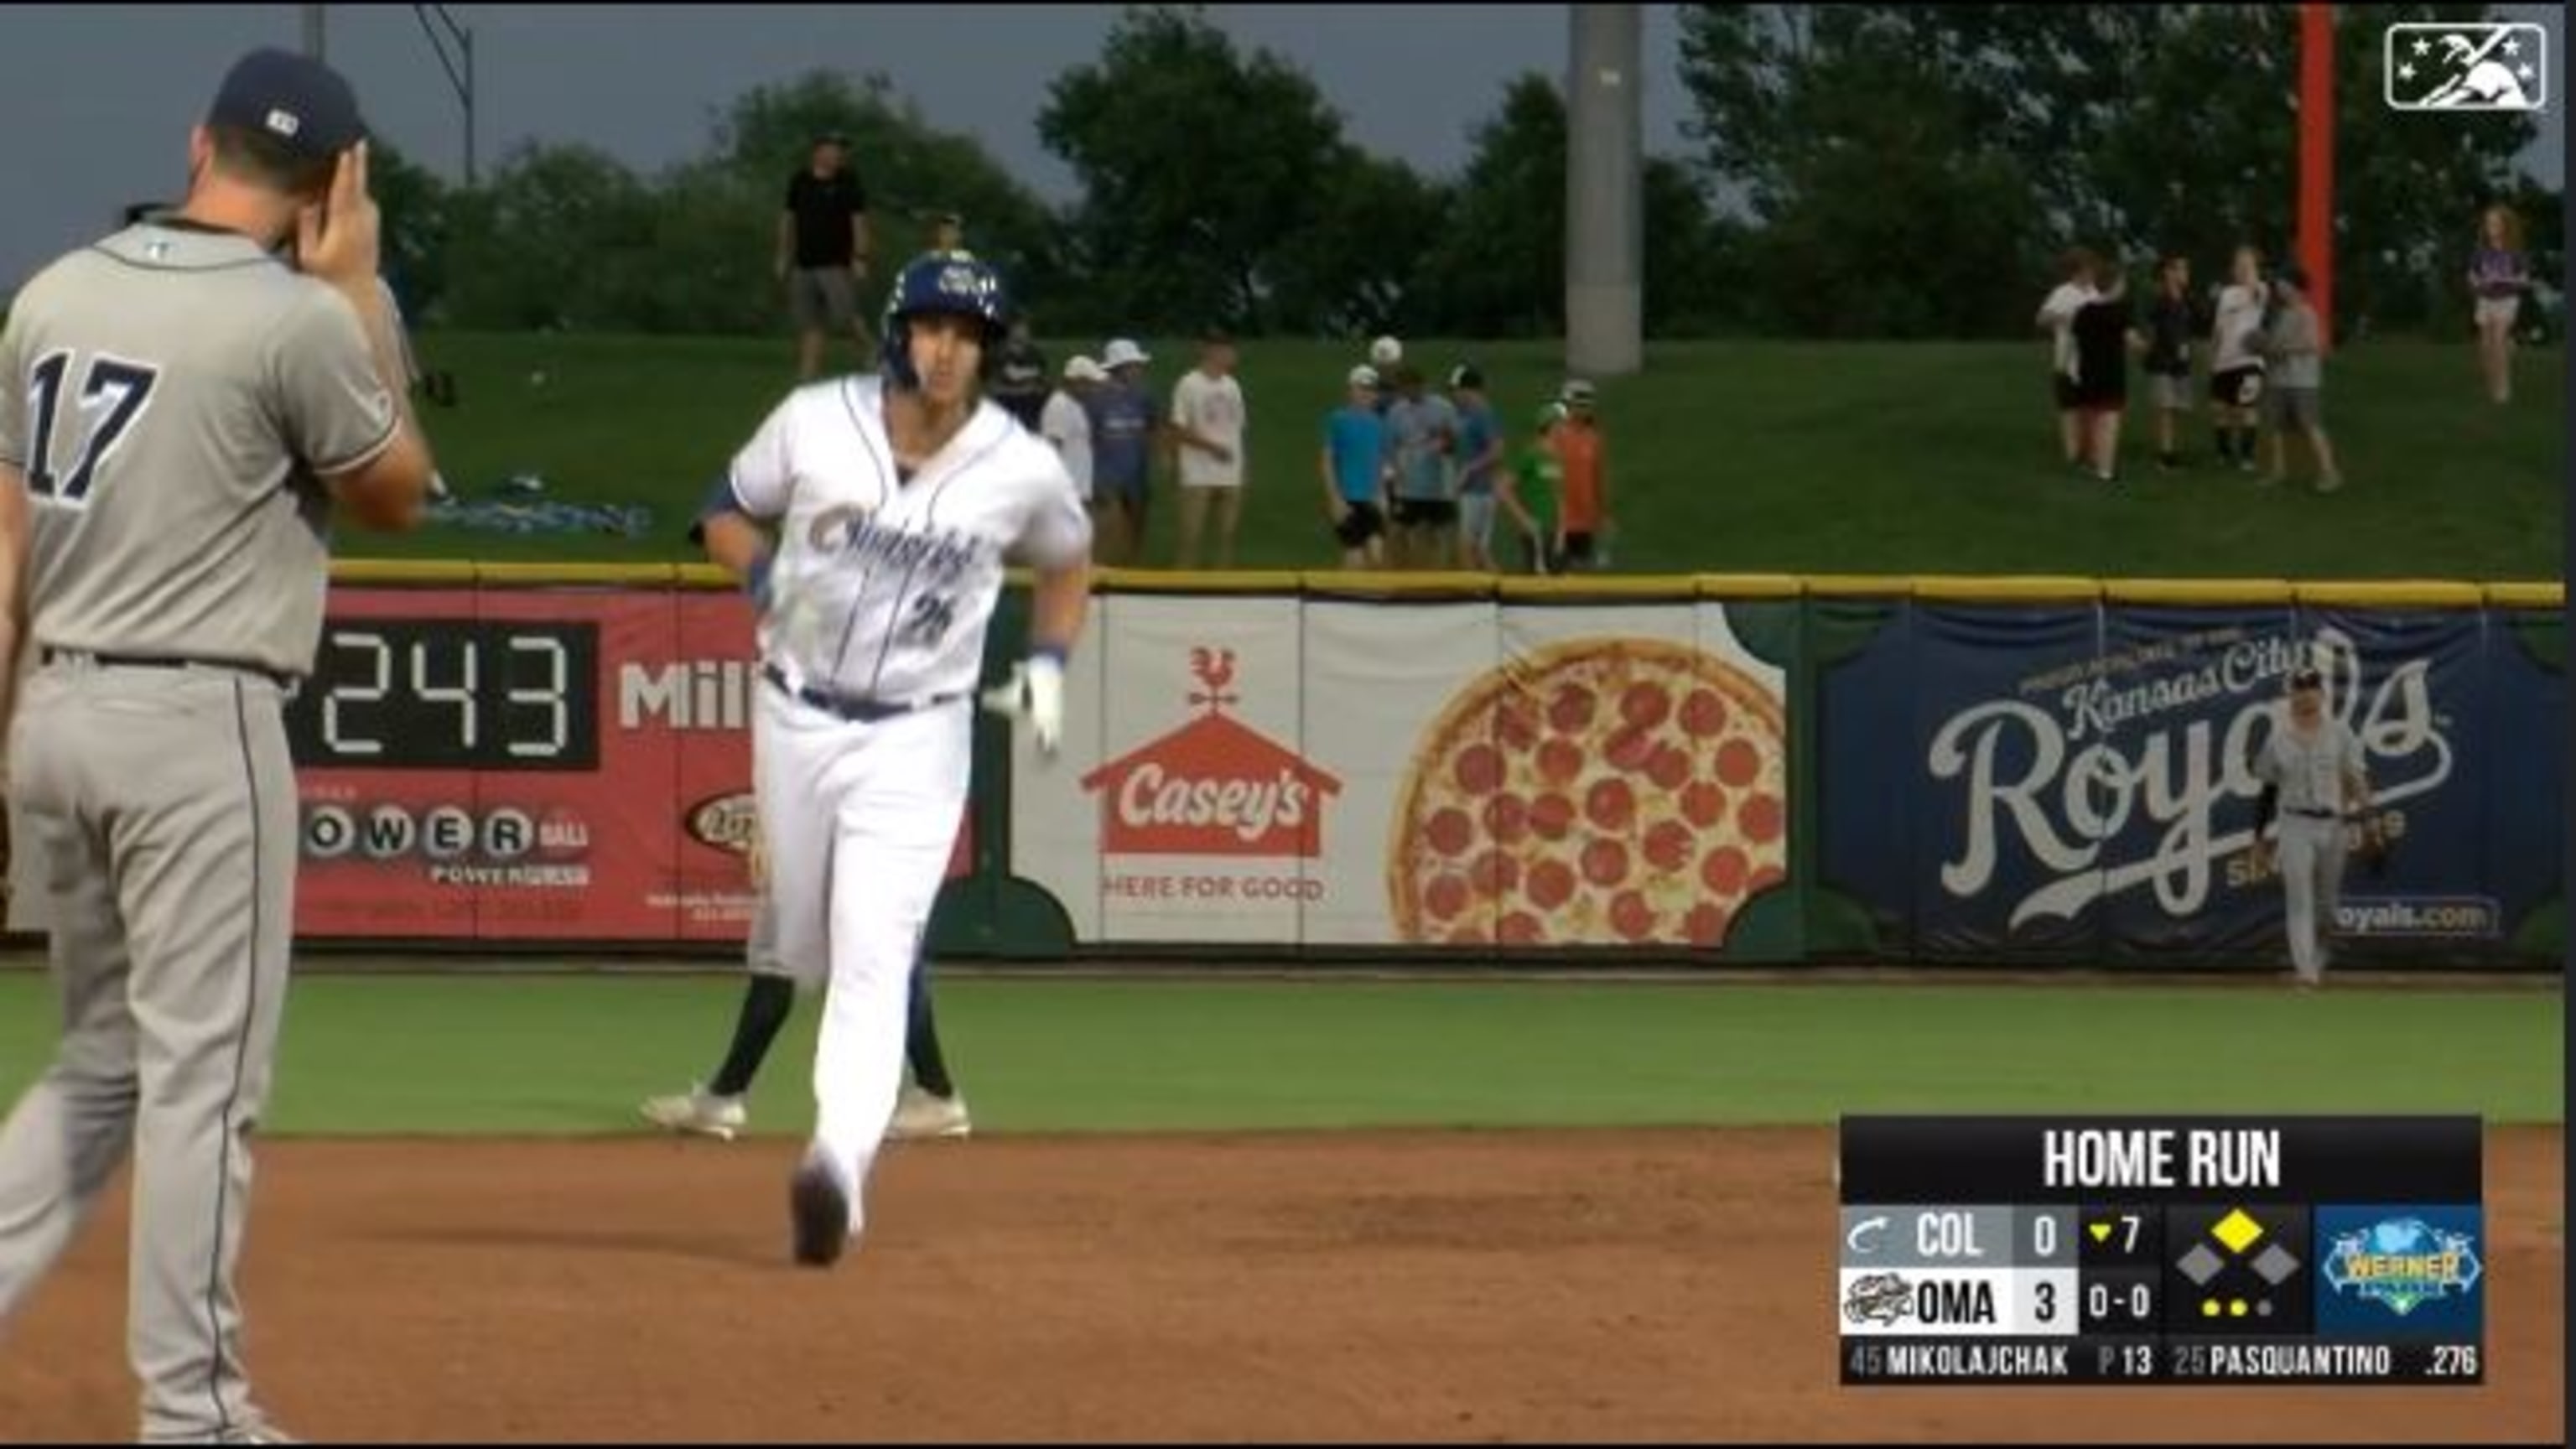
871 651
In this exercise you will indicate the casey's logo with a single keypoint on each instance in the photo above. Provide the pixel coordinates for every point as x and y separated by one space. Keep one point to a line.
1214 786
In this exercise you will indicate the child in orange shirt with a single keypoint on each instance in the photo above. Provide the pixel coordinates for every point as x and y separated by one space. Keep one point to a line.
1583 515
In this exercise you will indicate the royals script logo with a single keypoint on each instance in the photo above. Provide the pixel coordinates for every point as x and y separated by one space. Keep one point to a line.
2161 738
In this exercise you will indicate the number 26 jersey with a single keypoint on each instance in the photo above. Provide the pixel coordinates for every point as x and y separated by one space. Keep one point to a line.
885 585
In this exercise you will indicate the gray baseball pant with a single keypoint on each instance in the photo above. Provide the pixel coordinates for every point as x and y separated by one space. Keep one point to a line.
161 807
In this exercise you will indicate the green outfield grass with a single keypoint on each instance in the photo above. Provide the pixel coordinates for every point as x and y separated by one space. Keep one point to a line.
1751 456
573 1055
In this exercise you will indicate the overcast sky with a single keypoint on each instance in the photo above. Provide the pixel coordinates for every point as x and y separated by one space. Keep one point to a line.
95 100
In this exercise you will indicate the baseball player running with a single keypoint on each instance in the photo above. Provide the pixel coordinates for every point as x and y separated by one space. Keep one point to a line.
2311 769
182 411
930 1107
896 498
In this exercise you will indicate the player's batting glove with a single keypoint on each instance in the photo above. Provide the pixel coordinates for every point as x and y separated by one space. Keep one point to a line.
1044 682
1035 693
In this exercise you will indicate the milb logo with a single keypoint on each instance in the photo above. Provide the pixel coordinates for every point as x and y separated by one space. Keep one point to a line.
440 833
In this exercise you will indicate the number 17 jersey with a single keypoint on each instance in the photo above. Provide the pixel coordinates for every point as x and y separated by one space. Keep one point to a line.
170 395
884 585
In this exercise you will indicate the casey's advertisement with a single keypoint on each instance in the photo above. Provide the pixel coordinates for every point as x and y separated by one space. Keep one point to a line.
1464 775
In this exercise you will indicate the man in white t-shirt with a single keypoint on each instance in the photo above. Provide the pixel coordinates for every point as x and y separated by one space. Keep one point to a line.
1207 427
2057 319
1063 423
2236 362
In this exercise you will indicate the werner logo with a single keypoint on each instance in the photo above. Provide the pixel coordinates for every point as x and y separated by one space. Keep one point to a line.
1214 786
2111 757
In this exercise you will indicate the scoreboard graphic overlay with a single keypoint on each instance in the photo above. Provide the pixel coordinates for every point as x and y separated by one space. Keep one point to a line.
2127 1250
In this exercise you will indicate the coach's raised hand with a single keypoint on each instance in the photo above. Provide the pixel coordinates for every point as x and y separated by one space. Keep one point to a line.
339 241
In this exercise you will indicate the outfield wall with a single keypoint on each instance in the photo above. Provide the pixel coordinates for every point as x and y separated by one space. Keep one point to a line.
1331 767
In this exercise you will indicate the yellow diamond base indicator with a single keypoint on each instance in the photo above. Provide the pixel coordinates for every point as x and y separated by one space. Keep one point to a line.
2209 1308
2101 1232
2237 1231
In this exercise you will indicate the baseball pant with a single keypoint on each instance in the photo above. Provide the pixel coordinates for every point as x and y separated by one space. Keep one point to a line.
161 807
2312 854
861 820
920 1032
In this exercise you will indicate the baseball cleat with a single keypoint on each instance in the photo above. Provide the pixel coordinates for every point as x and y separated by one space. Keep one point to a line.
920 1116
820 1215
700 1111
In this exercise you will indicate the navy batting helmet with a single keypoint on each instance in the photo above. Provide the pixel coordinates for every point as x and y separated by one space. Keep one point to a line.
954 283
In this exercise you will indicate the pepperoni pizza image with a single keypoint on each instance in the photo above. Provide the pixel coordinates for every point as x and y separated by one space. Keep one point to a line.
1594 792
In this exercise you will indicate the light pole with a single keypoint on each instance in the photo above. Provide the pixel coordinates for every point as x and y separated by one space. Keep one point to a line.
459 67
313 31
1604 211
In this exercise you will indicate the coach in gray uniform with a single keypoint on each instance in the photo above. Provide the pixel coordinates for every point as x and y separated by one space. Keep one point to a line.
181 407
2311 768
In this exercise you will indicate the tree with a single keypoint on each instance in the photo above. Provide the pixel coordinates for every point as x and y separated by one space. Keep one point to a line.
414 207
1695 283
558 238
1355 272
2136 129
1888 206
1498 265
1200 168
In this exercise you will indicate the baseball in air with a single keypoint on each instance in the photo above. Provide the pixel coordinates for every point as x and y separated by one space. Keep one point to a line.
1385 352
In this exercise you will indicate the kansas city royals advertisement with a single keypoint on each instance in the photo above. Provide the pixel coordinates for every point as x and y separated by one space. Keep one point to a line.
2074 785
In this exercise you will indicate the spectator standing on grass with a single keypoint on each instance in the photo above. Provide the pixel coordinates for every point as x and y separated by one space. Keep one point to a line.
1529 492
2057 319
1207 426
2294 345
1583 520
2235 363
1123 434
1480 458
947 231
1354 467
2498 276
823 248
1066 424
2171 324
2103 338
1422 431
1020 376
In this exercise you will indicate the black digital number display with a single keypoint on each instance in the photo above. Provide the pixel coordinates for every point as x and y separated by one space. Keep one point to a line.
449 694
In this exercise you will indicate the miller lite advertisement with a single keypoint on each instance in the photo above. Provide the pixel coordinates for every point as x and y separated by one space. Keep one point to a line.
2073 783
